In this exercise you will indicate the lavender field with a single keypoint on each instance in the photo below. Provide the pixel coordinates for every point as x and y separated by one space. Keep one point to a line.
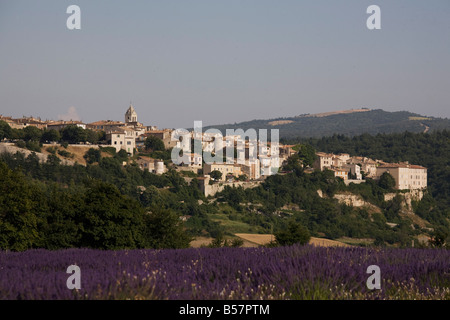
296 272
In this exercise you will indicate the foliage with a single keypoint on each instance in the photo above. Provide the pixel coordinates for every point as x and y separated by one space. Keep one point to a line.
5 130
32 133
83 212
92 155
386 181
165 230
33 145
216 175
307 155
295 233
51 135
219 242
65 153
154 143
18 204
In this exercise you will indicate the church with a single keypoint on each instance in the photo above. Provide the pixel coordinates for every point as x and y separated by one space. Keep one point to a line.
131 116
124 136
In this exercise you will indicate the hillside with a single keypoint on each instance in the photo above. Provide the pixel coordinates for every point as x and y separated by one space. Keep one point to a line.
346 122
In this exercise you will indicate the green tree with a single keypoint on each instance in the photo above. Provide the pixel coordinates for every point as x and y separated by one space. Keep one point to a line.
92 155
92 136
164 230
154 143
438 238
18 219
61 227
294 233
293 164
5 130
73 134
51 135
386 181
122 155
109 219
32 133
215 174
17 134
242 177
307 155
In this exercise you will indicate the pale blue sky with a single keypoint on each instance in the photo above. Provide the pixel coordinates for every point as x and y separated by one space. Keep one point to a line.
222 61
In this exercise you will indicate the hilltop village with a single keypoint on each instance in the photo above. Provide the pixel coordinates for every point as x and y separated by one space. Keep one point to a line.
240 169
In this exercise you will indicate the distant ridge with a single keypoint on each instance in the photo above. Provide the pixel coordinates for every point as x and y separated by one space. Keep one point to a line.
326 114
349 122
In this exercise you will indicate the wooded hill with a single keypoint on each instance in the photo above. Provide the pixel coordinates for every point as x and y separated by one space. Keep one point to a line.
347 122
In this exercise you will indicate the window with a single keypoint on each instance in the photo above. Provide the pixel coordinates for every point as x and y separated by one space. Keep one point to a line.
115 142
118 136
129 143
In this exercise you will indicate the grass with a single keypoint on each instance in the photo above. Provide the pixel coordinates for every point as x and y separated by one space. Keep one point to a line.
233 226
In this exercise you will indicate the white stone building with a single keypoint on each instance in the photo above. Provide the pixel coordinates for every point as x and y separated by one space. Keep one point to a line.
122 138
406 176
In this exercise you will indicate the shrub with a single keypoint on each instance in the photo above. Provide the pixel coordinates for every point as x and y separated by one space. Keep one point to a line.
295 233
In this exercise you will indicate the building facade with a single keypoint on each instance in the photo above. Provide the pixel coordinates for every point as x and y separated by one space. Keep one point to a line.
406 176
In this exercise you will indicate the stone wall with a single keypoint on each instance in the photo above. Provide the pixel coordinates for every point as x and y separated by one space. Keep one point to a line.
212 189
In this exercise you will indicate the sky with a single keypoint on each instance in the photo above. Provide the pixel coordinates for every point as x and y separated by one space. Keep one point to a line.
222 61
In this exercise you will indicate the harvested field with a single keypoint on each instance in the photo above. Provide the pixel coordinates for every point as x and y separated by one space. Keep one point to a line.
262 239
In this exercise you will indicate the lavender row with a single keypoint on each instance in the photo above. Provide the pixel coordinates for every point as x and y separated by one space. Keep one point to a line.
296 272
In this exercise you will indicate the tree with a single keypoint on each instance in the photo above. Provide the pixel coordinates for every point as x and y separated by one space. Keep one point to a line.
164 230
50 135
294 233
438 238
109 219
18 219
293 164
32 133
92 136
386 181
242 177
307 155
122 155
5 130
92 155
216 175
73 134
154 143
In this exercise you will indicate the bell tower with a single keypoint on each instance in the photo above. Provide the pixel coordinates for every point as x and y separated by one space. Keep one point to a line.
131 115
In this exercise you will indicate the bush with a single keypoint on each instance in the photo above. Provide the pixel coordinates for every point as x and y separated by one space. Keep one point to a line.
386 181
65 154
294 233
33 146
21 144
51 150
110 150
92 155
154 143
